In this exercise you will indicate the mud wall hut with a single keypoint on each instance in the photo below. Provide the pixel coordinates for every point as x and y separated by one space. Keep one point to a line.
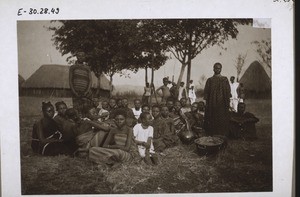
53 80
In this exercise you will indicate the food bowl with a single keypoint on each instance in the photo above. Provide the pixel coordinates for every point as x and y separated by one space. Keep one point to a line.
209 145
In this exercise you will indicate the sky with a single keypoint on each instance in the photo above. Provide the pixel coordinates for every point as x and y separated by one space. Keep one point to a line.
36 48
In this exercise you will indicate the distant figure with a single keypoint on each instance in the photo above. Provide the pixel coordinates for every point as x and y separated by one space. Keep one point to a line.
217 96
174 91
182 91
243 123
147 94
192 94
103 111
80 81
234 99
241 93
165 90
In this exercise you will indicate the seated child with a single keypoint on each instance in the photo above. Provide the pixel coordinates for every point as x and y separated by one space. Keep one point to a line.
162 137
195 120
46 137
118 144
88 131
178 118
145 108
143 135
103 111
242 124
170 105
130 118
185 107
137 110
60 117
165 115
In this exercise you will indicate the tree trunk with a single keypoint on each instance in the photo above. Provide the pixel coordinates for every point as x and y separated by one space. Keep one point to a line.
98 86
111 85
146 75
188 76
181 74
152 82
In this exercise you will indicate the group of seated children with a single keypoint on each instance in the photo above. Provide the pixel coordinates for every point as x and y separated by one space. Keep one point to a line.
116 133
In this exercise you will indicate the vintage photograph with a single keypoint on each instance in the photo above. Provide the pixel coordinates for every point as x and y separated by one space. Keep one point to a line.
145 106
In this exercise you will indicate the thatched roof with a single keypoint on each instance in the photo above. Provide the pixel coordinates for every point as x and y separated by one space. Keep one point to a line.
57 76
255 78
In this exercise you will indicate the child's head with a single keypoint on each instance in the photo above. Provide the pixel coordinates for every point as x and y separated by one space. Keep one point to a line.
120 103
145 118
182 84
104 105
125 102
91 112
147 85
241 108
96 102
61 108
194 107
72 114
155 111
80 56
137 103
164 111
48 110
112 102
183 102
120 118
145 108
177 106
201 106
170 104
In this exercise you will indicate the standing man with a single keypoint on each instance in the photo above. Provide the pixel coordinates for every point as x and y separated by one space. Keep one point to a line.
182 91
192 94
174 91
234 99
80 81
217 96
165 90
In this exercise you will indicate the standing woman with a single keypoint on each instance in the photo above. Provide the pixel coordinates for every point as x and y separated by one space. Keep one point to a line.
46 137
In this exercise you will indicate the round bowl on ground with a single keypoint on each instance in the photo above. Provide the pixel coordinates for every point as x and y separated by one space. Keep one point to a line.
209 145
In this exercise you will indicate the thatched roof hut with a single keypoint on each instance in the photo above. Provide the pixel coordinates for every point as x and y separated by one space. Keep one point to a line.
53 80
256 81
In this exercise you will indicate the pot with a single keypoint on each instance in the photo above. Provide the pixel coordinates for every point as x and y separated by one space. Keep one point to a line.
187 136
209 145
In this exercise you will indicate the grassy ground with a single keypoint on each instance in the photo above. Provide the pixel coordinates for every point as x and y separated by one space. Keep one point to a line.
243 167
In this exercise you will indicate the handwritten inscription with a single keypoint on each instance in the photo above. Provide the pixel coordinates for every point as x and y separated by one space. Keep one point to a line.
37 11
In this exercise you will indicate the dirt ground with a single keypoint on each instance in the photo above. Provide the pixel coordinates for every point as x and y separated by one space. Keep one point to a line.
244 166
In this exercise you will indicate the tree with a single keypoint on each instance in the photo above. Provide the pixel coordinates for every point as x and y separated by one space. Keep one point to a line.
186 38
240 62
263 48
110 45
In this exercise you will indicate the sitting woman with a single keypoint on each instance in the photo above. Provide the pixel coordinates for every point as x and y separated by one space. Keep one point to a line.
88 132
162 136
117 147
46 137
242 124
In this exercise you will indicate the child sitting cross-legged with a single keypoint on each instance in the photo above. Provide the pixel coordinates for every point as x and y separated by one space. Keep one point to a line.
143 135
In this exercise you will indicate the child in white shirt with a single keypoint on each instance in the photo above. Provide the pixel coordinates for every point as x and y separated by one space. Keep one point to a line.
143 134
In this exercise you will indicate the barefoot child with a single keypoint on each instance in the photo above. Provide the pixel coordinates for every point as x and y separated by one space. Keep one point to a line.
143 135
